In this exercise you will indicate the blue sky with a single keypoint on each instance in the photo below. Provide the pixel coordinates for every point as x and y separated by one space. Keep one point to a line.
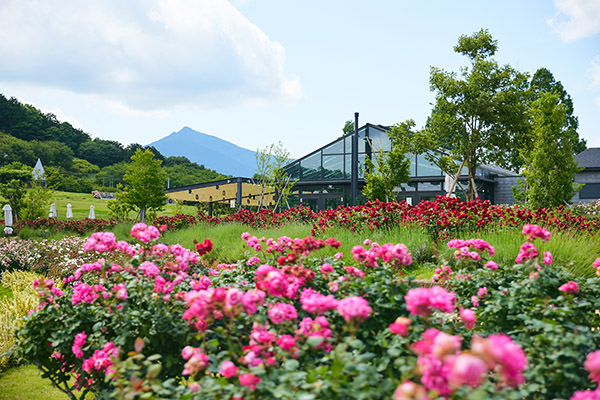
255 72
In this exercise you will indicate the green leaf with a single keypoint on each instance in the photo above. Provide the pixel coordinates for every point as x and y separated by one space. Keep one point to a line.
291 365
314 341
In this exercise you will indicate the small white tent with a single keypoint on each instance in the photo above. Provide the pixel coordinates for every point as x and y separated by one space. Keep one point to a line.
38 170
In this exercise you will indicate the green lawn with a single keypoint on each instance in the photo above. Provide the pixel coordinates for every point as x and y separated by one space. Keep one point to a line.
81 203
26 383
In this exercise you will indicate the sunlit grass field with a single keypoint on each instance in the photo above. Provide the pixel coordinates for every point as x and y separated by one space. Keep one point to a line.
81 202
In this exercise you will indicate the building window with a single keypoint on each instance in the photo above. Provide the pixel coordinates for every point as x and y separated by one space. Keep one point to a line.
335 148
426 168
333 167
311 167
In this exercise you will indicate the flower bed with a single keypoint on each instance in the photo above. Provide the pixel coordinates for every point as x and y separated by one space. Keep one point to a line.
286 323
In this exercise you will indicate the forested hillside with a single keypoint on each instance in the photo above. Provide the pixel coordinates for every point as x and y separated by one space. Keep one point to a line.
76 162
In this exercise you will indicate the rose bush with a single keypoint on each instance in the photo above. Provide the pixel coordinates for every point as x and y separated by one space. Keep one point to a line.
156 321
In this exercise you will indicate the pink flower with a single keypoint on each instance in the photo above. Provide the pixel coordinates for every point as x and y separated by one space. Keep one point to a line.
535 231
144 233
120 291
149 268
592 364
326 268
500 351
234 296
468 370
527 252
101 360
482 292
196 361
249 380
78 343
475 301
100 242
422 300
286 342
338 255
400 326
315 302
228 369
569 287
491 265
586 395
547 258
281 312
354 308
445 345
410 391
251 299
468 317
253 261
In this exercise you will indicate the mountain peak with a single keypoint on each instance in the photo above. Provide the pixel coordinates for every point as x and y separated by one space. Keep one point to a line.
208 150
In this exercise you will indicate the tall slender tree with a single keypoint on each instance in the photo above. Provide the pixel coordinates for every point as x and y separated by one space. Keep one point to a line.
551 165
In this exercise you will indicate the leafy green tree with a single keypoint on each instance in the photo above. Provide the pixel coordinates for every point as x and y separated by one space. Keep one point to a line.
102 152
37 199
14 192
551 164
348 127
391 168
477 113
144 184
543 81
13 149
271 175
84 167
53 153
113 173
181 172
14 178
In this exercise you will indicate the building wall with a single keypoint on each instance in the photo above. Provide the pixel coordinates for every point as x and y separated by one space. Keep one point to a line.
586 177
502 189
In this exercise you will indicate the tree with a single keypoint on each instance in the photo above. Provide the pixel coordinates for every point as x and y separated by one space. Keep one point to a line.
144 184
543 81
102 152
37 199
476 115
14 178
348 127
271 175
391 168
551 163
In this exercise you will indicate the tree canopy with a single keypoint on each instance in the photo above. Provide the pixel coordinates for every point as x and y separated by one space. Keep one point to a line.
477 112
144 183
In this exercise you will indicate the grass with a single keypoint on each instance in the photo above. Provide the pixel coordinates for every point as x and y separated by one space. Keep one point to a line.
26 383
81 202
5 292
568 250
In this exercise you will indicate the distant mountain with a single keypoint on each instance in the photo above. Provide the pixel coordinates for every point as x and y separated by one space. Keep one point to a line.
210 151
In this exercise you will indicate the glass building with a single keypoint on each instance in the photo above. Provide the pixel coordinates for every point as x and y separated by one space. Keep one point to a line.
324 178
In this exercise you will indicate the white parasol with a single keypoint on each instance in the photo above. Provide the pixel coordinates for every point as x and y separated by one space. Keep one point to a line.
92 213
8 219
53 213
69 210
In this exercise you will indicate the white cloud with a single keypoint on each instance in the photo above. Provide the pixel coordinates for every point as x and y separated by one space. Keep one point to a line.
143 54
576 19
120 108
594 73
